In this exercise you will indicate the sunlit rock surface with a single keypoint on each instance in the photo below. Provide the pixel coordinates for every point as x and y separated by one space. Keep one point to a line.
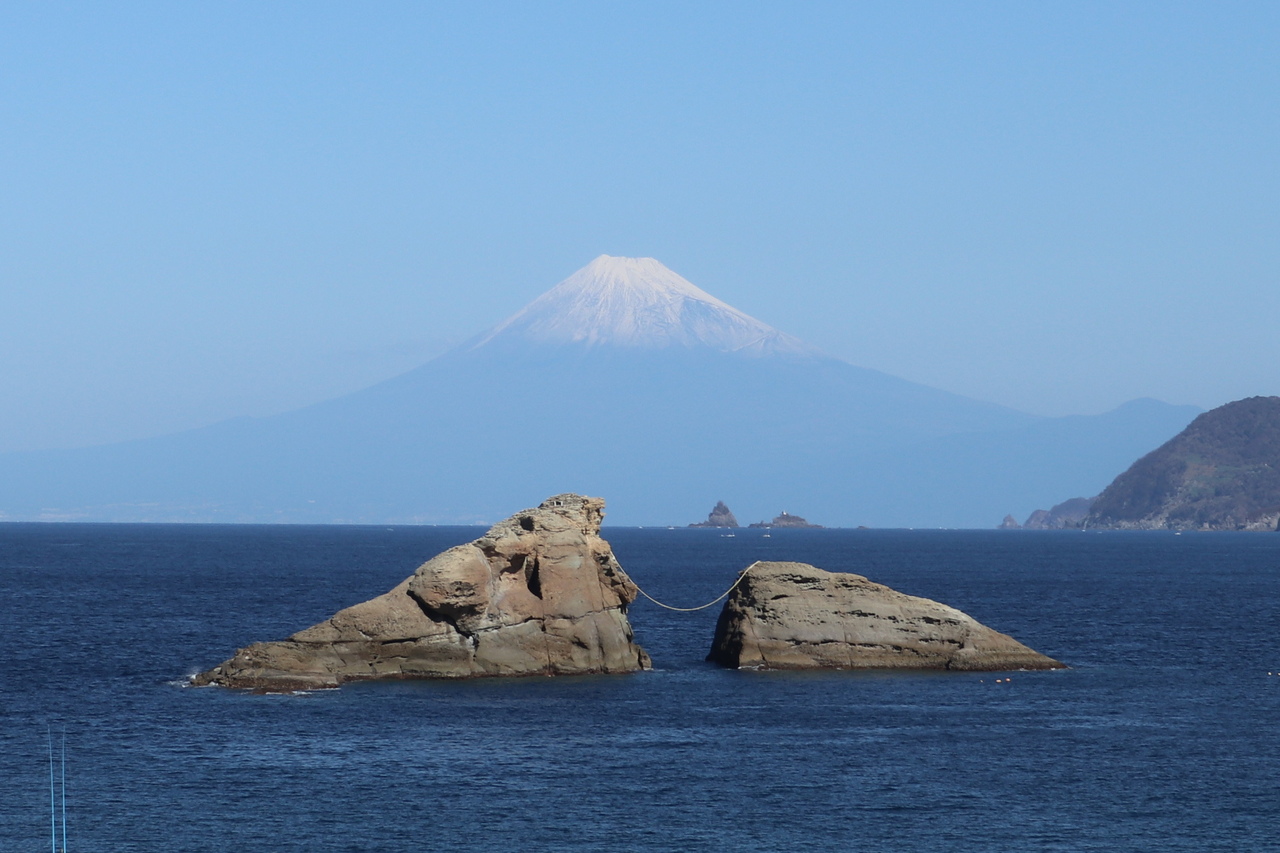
795 616
539 594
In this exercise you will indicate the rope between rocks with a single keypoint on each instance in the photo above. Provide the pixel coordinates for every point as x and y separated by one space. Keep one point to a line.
742 575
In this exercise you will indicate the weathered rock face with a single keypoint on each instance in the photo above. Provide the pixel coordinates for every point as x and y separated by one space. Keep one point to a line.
795 616
540 593
720 516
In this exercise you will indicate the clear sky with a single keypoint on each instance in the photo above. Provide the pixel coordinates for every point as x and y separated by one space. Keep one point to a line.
212 210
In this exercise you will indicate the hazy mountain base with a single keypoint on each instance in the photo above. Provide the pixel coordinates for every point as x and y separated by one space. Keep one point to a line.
626 380
470 434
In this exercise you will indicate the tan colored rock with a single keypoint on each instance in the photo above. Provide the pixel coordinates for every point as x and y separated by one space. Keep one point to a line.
539 594
795 616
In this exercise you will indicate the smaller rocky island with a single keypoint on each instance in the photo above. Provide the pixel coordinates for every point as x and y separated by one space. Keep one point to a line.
720 516
786 519
796 616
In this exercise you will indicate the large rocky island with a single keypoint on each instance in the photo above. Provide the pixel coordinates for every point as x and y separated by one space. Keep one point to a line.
1221 473
795 616
539 594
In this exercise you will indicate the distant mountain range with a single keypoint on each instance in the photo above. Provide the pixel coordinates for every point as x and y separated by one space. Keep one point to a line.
1221 473
624 381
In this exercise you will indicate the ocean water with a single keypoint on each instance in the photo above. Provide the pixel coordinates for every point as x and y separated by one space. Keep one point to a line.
1164 735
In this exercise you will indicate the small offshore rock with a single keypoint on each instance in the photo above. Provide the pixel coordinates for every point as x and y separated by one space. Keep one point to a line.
720 516
541 593
796 616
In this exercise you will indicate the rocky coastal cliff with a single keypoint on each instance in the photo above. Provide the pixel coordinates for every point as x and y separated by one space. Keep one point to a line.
541 593
1068 514
795 616
1221 473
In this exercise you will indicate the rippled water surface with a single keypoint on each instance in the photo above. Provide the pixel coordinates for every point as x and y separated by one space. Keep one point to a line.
1164 736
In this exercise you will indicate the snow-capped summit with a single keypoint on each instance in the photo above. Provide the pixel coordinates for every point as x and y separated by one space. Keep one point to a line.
639 303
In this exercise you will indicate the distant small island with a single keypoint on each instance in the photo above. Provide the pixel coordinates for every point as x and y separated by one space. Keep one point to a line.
786 519
720 516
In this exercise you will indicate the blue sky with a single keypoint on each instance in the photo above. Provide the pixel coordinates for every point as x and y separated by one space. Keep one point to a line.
211 211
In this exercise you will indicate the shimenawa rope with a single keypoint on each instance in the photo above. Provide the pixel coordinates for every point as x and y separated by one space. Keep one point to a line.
717 600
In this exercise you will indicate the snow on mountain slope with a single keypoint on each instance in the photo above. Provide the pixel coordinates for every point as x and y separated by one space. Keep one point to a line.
639 303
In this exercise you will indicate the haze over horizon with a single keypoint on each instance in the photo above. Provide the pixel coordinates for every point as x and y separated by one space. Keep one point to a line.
217 212
624 380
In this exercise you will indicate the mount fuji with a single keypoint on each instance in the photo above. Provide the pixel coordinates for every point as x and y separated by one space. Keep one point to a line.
624 380
638 303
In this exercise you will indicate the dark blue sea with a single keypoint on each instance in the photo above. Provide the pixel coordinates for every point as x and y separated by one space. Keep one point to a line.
1163 736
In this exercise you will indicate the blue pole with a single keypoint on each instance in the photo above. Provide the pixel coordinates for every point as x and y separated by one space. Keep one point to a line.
64 791
53 803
